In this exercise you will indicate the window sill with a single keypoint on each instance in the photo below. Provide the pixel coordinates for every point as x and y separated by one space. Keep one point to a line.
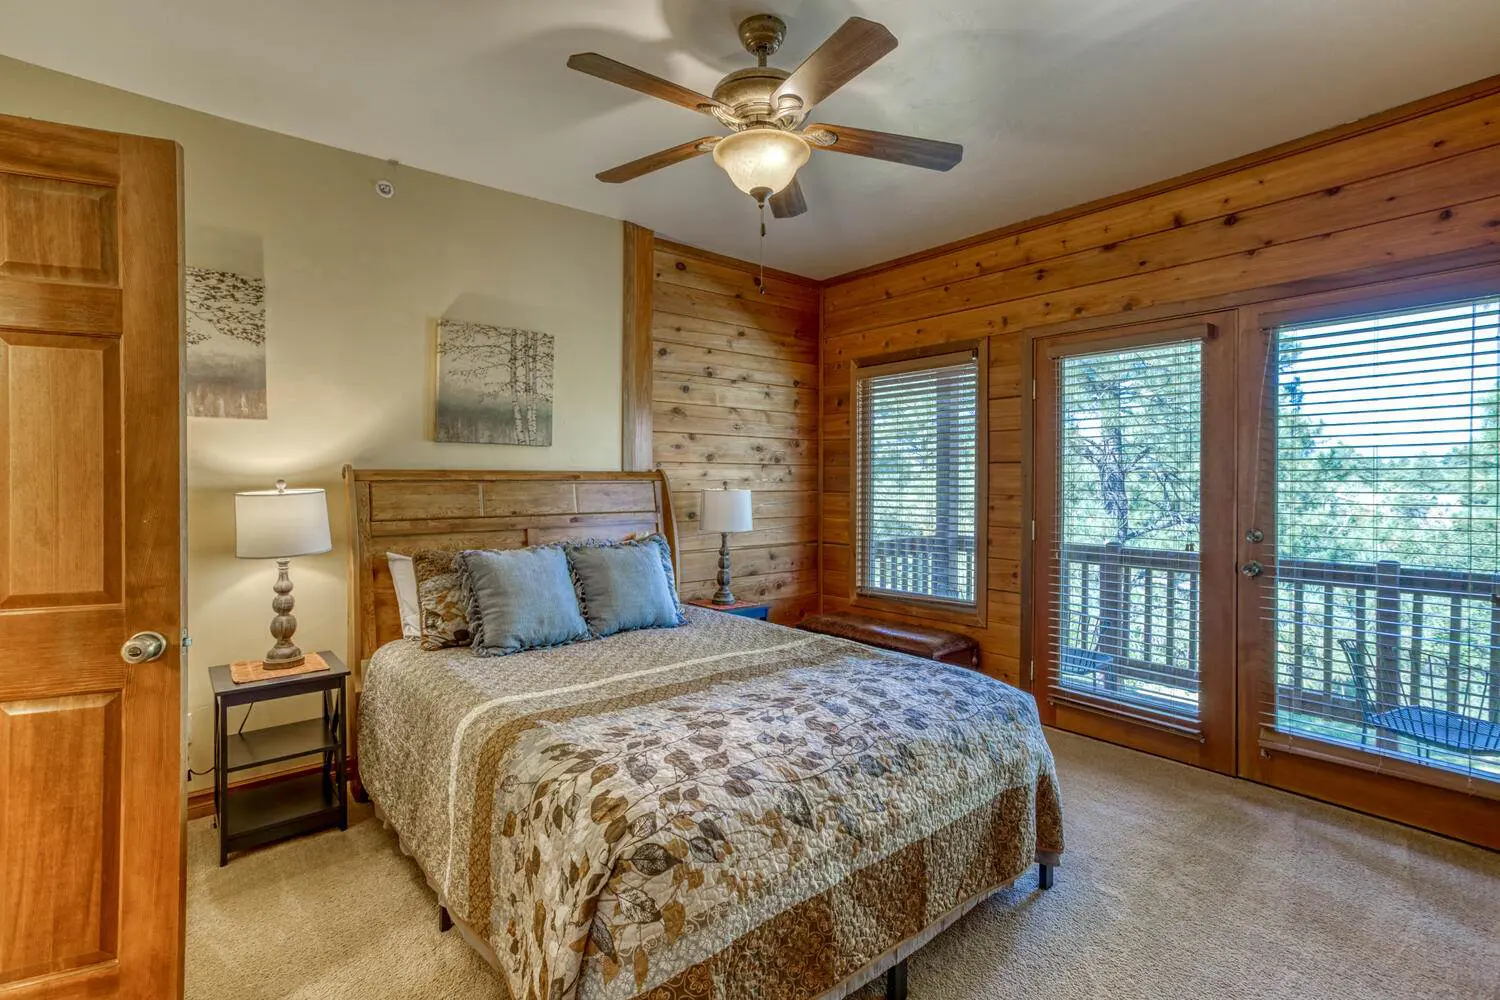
915 607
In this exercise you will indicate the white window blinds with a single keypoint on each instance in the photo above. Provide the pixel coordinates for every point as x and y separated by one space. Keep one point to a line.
1382 591
1127 584
917 479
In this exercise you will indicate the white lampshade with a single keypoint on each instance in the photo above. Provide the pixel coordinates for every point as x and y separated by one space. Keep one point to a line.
726 510
761 159
280 523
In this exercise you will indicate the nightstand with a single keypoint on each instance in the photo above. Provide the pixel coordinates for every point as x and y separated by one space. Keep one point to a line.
283 807
745 609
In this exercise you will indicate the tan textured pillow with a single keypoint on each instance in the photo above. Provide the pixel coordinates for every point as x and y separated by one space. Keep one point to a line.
445 617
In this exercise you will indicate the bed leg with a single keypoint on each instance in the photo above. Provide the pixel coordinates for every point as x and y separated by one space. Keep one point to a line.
1046 876
445 922
357 790
895 981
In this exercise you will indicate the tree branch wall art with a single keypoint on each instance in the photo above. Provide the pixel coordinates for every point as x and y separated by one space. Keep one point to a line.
226 345
494 384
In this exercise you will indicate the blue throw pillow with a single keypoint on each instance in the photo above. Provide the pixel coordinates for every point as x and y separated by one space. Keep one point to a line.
520 599
625 585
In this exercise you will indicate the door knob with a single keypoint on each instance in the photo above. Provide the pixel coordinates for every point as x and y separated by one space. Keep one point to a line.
1251 568
143 647
1255 535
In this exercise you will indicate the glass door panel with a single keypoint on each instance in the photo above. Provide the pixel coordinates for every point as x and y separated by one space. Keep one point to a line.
1127 527
1385 601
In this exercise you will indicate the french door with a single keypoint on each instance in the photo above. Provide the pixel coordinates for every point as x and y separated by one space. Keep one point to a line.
1268 543
1369 500
1133 561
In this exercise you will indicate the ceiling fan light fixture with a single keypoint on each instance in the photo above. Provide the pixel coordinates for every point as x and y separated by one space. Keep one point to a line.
761 161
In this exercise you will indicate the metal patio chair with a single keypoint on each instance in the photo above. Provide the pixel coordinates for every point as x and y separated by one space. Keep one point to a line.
1084 664
1461 732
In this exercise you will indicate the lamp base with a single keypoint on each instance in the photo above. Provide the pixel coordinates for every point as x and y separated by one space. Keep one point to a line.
723 595
284 654
284 659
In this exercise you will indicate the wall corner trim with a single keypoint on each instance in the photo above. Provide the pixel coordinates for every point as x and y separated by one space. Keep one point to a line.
636 368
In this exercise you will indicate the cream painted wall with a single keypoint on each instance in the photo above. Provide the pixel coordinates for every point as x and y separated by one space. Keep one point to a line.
354 285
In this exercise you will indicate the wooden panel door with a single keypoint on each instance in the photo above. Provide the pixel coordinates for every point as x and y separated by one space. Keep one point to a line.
1133 565
91 810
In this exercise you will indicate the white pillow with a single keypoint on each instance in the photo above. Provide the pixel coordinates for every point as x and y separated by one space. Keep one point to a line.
405 579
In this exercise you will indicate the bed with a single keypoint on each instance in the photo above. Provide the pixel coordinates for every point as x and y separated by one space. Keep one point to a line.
729 809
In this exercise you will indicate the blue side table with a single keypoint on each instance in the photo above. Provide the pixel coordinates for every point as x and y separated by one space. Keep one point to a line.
745 609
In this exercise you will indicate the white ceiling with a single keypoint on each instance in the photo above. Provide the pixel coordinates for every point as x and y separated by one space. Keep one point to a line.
1055 101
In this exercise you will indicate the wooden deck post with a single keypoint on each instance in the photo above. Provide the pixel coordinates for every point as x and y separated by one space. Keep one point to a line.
1111 603
1387 635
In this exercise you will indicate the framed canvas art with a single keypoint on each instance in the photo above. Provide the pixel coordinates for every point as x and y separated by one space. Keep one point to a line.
226 344
494 384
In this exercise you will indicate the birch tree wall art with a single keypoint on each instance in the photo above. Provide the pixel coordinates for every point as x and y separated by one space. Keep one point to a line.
226 345
494 384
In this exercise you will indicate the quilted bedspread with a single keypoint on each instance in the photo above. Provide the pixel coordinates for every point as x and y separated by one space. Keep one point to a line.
725 810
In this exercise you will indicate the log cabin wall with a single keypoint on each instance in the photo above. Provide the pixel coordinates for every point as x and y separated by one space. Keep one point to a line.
734 400
1412 189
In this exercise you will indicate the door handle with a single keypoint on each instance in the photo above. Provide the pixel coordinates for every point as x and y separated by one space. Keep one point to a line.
1251 568
143 647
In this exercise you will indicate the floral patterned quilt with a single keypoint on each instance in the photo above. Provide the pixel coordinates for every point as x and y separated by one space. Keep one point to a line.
724 810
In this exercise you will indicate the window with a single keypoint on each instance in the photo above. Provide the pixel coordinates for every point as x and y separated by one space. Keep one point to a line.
917 485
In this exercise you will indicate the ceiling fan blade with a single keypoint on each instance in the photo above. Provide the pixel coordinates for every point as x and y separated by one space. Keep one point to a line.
639 80
856 46
789 202
928 153
661 158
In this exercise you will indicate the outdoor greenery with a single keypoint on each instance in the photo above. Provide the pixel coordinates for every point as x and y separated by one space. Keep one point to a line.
1131 446
1429 506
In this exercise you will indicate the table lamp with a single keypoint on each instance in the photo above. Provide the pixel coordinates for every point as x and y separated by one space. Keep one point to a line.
279 524
725 511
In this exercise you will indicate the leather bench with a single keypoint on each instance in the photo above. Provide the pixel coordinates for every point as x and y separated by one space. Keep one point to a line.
916 640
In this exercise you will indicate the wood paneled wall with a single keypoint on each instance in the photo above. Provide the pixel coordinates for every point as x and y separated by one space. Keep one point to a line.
735 401
1420 184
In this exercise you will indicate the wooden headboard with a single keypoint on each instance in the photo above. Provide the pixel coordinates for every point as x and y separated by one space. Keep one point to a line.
401 510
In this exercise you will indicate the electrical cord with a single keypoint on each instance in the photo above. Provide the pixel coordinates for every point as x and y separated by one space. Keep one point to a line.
243 719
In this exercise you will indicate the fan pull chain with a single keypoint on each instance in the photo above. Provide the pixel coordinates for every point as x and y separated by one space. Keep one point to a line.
761 281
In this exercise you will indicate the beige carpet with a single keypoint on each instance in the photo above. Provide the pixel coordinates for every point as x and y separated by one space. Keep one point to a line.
1177 884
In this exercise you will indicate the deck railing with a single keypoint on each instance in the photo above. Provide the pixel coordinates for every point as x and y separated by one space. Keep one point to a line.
934 565
1127 622
1129 616
1434 635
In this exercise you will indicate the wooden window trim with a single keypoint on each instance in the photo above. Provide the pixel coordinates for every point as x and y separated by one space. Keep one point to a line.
976 616
1105 341
1392 296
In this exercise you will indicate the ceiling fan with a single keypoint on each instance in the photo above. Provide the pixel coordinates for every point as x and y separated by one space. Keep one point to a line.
765 107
